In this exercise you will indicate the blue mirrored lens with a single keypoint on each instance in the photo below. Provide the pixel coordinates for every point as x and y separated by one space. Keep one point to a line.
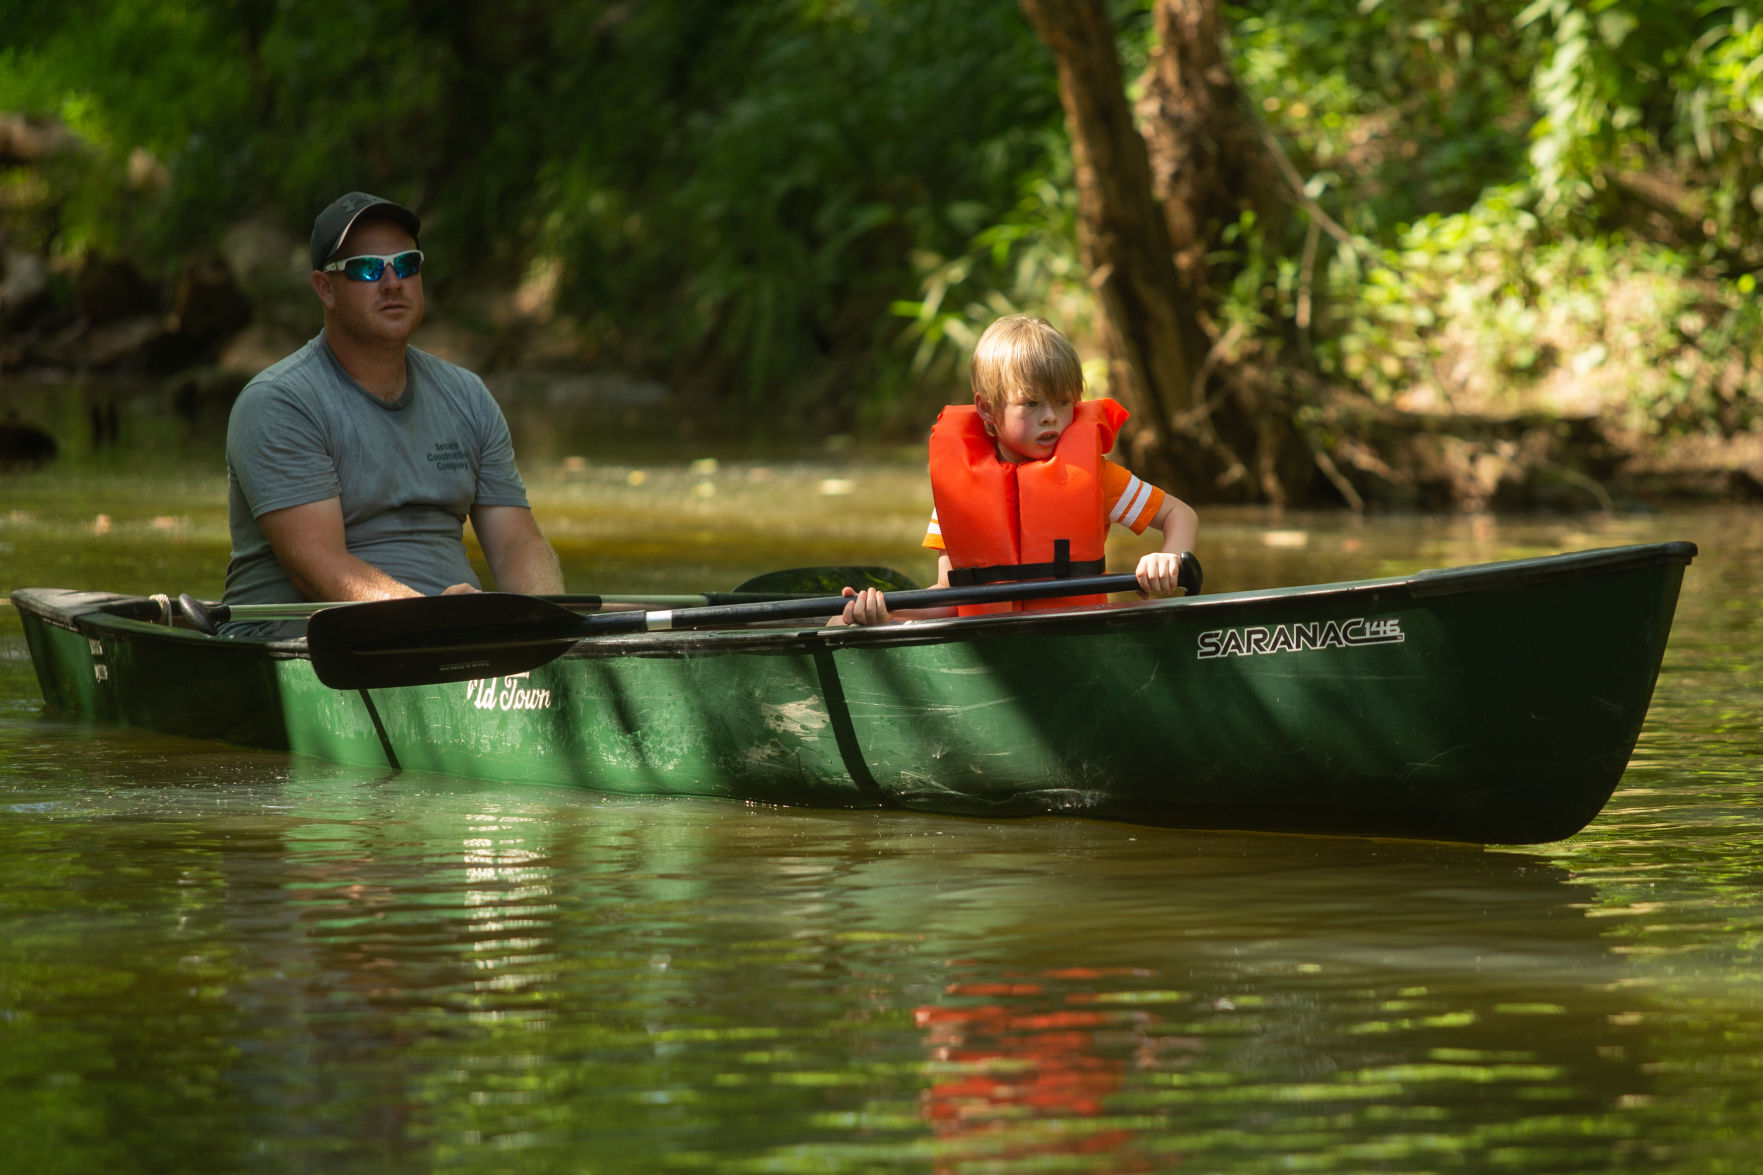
371 269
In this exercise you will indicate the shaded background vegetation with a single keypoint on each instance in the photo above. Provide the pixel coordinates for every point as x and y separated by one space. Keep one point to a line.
802 211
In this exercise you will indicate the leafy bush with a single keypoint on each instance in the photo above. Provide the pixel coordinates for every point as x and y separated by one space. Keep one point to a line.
806 210
727 194
1484 311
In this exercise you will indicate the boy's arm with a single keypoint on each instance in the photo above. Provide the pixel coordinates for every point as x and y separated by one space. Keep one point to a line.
1160 571
1179 524
944 565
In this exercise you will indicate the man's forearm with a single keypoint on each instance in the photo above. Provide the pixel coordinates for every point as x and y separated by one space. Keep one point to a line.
531 568
344 577
519 557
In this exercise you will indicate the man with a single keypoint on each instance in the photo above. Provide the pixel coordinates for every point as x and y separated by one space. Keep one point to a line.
353 463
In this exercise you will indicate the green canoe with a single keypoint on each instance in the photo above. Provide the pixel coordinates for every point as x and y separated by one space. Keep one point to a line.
1497 703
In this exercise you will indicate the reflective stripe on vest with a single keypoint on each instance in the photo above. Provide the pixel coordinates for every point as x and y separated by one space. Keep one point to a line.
1009 520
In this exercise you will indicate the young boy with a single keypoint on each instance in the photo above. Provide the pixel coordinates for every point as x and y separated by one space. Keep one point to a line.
1020 485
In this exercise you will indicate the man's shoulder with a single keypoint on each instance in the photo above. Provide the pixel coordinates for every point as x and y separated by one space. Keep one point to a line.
441 370
460 386
304 367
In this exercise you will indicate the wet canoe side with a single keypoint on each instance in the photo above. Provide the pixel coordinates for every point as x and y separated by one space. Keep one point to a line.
1496 704
1505 715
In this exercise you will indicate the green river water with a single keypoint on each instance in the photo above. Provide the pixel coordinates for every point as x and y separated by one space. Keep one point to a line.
215 959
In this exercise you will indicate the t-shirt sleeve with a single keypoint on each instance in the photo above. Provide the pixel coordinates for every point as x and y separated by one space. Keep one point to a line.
933 537
278 452
1131 501
498 478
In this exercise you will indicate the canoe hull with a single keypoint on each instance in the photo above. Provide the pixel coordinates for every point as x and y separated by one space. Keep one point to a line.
1496 704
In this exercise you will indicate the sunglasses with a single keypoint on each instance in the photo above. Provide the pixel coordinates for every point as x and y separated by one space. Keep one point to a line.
370 268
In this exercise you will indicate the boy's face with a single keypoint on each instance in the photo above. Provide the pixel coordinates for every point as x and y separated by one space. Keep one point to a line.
1029 425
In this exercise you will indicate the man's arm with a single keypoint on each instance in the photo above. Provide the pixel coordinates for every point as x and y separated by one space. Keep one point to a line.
308 542
520 559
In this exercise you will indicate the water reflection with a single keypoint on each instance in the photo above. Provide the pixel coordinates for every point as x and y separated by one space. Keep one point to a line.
219 959
1001 1058
405 969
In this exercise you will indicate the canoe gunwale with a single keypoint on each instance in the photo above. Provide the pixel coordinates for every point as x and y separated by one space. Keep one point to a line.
77 610
96 613
1546 569
1421 585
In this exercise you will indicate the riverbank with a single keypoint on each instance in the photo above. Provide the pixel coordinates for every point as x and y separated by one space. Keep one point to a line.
1459 462
140 354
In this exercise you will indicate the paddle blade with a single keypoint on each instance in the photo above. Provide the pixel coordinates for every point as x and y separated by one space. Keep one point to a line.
431 639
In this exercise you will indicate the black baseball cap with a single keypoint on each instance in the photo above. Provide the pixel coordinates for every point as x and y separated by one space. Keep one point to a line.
334 223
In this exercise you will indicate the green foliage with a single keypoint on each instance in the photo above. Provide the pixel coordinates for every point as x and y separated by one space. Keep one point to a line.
1593 91
1391 110
729 195
1025 263
192 115
1718 103
99 70
1646 85
807 209
1400 108
776 199
1485 310
1550 205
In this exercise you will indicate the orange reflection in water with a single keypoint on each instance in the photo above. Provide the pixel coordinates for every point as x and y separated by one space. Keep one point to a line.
1034 1052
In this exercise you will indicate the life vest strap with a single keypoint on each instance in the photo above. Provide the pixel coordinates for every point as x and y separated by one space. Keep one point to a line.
1062 567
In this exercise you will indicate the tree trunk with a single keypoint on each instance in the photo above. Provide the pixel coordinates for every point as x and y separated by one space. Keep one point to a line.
1156 342
1145 254
1208 163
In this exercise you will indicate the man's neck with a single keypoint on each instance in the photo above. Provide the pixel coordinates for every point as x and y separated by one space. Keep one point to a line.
379 369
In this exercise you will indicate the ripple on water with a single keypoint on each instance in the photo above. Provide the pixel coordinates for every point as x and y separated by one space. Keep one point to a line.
233 959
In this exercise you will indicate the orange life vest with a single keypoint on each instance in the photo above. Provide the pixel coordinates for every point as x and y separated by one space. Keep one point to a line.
1016 520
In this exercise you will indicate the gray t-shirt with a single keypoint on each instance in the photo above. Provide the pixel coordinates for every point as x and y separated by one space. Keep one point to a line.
407 472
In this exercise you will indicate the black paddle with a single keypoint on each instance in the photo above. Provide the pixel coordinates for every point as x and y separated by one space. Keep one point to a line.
431 639
208 615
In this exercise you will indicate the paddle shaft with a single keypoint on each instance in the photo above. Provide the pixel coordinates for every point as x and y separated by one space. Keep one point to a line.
495 629
790 583
938 597
221 613
433 639
717 616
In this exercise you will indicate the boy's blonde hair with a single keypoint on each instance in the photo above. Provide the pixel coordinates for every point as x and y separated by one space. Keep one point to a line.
1022 354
